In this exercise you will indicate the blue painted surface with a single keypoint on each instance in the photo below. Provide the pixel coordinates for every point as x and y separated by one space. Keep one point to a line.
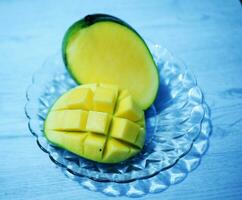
207 35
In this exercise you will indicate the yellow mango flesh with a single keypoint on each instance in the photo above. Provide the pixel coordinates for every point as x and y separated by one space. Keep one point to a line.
127 108
98 122
87 121
108 52
104 100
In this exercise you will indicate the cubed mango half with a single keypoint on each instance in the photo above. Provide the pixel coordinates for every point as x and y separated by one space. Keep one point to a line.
95 123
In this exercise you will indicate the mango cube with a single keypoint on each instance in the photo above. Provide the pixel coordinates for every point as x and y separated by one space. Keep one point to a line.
78 98
114 88
98 122
123 94
124 129
141 122
71 140
82 98
104 100
140 140
91 86
114 149
55 120
127 108
85 99
69 120
94 146
75 120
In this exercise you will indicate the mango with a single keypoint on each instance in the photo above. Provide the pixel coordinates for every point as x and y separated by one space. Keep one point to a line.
101 48
99 122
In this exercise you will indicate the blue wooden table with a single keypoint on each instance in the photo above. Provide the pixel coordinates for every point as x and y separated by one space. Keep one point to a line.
207 35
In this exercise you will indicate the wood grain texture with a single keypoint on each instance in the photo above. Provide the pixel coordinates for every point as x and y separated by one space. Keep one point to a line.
207 35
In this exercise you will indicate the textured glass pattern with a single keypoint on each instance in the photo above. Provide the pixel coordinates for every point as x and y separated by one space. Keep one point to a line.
178 129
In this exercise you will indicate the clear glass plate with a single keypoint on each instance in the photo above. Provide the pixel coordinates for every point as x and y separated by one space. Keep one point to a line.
178 129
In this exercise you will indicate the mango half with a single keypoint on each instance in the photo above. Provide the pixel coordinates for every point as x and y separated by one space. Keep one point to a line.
99 122
104 49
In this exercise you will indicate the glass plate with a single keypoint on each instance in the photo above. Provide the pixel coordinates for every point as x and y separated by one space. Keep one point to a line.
178 129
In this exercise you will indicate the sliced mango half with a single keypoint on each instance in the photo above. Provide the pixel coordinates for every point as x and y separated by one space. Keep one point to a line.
98 122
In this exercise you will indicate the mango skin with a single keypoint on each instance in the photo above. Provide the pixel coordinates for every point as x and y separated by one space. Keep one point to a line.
146 89
76 123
